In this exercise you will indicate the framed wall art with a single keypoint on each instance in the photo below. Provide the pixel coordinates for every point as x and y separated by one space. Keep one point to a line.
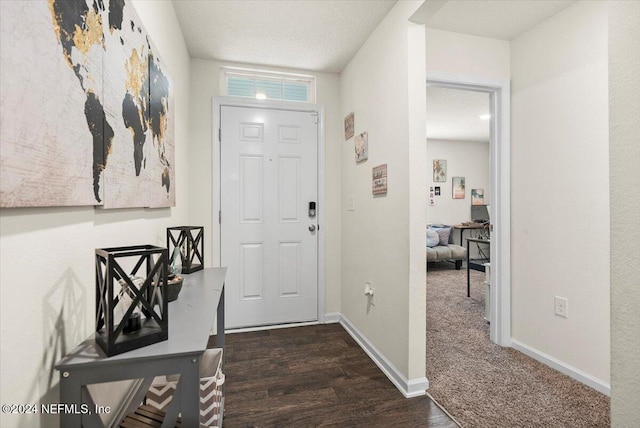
439 170
348 126
379 180
362 147
477 196
88 105
458 187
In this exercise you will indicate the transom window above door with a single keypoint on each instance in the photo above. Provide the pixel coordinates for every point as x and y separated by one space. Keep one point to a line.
268 85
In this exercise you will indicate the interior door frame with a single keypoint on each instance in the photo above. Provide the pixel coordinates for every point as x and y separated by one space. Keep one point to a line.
217 104
500 208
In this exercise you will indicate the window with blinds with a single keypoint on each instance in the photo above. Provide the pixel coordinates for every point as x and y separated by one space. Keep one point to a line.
269 85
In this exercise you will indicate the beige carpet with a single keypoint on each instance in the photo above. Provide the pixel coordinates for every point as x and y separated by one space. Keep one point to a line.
484 385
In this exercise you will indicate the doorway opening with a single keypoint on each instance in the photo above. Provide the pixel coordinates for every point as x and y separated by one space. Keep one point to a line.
499 189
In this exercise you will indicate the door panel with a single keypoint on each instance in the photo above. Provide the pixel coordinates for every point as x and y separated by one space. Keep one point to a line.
268 178
289 269
251 268
289 134
251 184
251 132
289 189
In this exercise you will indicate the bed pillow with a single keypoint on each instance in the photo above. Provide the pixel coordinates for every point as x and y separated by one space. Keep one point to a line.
433 239
444 232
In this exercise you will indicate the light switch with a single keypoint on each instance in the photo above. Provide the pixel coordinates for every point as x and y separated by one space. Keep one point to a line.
351 205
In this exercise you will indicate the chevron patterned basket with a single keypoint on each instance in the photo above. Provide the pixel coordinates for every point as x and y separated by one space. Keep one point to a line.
212 379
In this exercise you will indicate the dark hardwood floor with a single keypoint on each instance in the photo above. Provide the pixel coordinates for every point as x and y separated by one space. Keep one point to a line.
314 376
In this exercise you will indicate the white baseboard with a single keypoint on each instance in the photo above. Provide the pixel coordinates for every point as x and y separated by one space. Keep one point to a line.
408 387
577 374
332 317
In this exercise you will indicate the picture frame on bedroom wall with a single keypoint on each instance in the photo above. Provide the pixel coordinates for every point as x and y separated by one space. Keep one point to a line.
458 187
379 180
362 147
439 170
477 196
349 126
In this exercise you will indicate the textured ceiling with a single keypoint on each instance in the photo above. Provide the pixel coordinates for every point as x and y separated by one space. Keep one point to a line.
452 114
323 35
318 35
498 19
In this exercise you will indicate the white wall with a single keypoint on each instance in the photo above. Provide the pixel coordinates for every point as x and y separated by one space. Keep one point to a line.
624 149
47 255
464 159
559 161
383 237
204 170
560 188
467 55
464 57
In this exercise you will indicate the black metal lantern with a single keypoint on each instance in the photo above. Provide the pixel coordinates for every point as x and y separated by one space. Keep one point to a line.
190 241
131 308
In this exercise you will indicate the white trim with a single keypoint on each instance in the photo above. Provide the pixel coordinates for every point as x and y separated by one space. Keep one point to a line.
408 387
500 158
575 373
217 103
256 72
332 317
322 225
269 327
265 104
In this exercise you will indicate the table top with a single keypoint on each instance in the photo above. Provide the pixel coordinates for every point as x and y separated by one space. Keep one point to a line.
190 319
469 226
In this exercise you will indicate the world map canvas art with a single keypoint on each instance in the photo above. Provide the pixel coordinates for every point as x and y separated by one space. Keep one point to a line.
86 107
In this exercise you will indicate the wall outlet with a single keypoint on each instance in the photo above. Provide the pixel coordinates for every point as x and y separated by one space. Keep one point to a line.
369 292
368 289
561 307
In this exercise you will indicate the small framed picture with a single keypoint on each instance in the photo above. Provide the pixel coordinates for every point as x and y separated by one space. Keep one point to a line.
379 184
457 186
362 147
348 126
477 196
437 191
439 170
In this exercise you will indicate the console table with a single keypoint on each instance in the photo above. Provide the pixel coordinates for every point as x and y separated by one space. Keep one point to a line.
469 261
191 317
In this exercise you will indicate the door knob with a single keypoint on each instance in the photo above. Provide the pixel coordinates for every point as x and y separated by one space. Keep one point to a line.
312 228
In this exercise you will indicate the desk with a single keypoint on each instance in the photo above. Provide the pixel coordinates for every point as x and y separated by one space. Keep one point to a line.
190 319
469 241
463 227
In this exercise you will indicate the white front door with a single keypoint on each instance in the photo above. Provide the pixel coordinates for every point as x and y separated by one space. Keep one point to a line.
269 176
